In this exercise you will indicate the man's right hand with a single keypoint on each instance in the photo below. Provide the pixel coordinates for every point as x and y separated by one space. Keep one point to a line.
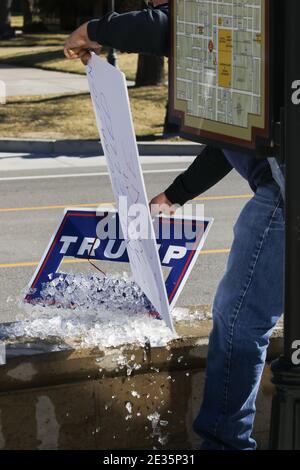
79 46
161 205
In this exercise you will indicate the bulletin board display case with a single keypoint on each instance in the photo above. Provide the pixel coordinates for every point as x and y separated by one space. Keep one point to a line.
221 84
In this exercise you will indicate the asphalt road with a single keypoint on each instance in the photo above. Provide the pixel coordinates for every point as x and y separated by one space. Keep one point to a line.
34 191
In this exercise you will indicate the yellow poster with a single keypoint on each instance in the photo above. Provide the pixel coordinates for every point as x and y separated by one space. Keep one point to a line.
225 58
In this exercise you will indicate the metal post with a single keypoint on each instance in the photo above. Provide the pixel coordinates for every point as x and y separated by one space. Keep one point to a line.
112 54
285 422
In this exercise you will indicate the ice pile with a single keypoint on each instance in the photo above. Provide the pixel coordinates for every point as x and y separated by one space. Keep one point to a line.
88 292
185 315
97 311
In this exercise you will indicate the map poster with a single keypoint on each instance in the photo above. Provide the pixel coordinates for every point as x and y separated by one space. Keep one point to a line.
220 71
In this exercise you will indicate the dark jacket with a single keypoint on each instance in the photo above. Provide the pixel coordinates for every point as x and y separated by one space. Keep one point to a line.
147 31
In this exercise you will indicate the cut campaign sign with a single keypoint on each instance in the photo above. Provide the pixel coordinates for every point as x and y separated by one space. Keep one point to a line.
114 120
178 242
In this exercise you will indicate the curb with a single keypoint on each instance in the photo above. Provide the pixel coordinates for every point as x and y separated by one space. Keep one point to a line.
83 147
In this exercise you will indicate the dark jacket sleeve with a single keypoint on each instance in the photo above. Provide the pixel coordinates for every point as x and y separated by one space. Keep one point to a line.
206 170
145 31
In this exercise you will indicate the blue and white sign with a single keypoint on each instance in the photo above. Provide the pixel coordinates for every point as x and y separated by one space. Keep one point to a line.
179 242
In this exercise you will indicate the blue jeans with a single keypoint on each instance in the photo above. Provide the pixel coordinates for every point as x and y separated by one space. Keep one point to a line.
247 306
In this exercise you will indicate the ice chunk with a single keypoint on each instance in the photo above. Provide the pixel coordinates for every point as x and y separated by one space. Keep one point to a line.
94 310
129 407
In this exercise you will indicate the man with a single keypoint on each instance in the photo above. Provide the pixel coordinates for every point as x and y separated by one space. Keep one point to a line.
249 299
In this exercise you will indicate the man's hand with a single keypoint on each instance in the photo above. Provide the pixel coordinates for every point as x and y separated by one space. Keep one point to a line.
161 205
79 46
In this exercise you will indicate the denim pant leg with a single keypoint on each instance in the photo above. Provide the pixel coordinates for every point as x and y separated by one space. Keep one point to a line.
248 303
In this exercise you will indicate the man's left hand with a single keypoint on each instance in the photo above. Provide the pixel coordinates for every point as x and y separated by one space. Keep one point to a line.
79 46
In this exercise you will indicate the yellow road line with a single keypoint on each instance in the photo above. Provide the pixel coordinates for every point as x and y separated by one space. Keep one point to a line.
215 252
33 264
43 208
18 265
63 206
220 198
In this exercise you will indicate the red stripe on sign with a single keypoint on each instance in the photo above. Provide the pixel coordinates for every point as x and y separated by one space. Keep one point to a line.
185 268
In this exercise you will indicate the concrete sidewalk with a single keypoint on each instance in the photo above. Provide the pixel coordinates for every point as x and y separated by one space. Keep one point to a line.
89 147
25 81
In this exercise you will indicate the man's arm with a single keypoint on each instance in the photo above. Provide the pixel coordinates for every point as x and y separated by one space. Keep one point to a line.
206 170
151 35
145 31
